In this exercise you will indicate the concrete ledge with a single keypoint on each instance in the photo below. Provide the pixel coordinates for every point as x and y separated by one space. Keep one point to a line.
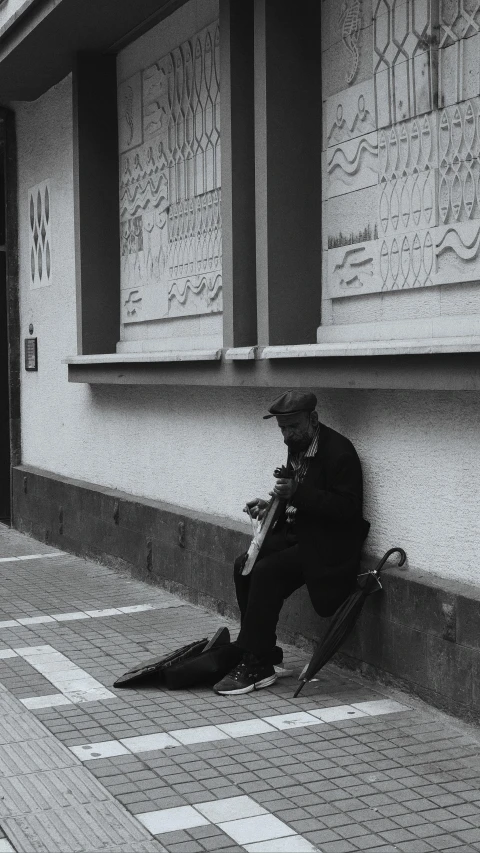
145 358
415 346
421 632
432 372
240 353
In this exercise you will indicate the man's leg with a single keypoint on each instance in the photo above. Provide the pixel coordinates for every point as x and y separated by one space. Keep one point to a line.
274 541
273 579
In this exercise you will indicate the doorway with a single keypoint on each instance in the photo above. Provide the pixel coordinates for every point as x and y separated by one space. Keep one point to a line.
9 317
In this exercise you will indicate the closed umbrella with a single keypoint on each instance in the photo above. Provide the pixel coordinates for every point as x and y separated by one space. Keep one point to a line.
345 617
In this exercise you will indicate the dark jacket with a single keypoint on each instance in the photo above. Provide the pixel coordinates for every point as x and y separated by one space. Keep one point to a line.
329 523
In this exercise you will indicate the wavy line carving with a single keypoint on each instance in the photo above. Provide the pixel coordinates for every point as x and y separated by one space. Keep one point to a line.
452 240
142 197
340 160
211 287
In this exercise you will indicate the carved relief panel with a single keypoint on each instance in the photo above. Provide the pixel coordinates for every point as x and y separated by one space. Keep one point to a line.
349 114
458 242
459 53
171 236
403 61
352 165
40 235
402 199
347 38
407 203
130 113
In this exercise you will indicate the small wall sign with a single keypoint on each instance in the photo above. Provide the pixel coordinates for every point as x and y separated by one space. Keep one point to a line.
31 357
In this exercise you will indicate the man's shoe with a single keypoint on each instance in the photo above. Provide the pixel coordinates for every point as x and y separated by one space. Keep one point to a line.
250 674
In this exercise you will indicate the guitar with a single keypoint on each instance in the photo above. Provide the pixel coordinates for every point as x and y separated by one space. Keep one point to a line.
272 511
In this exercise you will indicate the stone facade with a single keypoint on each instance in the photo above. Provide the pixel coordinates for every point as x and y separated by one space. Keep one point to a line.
170 187
401 207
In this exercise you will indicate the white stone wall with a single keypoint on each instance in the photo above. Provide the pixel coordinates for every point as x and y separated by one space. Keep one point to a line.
401 225
170 184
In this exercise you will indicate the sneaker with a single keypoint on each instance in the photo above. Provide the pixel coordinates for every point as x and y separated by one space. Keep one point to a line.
250 674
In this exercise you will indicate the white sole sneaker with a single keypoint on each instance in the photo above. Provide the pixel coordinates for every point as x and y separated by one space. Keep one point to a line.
281 672
265 682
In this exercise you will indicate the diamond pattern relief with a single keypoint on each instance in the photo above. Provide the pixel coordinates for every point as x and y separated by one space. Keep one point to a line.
402 60
40 240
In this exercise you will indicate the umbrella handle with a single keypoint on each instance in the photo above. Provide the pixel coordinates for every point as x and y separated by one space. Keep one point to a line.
385 557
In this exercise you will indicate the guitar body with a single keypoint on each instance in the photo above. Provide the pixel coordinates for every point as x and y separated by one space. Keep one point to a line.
256 544
273 511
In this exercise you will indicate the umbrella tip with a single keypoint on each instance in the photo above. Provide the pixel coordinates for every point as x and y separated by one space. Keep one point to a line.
300 687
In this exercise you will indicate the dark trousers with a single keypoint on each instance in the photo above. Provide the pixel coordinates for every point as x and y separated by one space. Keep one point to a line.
274 577
261 594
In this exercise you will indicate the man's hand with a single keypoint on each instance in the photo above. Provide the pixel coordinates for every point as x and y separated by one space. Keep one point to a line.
256 508
284 488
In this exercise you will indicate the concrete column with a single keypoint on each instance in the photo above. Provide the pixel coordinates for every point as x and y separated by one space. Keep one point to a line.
238 173
288 143
97 240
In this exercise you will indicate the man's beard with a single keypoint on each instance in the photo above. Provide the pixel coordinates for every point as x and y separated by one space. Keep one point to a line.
299 444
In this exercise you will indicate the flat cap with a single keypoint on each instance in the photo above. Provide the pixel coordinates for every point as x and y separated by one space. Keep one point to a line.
291 402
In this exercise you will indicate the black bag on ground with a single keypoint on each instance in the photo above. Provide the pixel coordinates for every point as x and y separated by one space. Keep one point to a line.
206 668
154 669
202 662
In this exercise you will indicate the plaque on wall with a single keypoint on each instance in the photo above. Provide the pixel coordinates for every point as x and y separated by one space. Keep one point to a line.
31 355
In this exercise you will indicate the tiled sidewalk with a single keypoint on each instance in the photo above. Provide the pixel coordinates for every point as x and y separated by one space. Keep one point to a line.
347 766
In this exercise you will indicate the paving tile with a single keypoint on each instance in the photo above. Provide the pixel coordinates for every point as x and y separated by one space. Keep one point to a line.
337 713
49 700
288 721
102 827
147 743
470 835
371 843
246 728
32 756
251 829
170 820
445 842
106 611
136 608
105 749
45 790
198 734
231 808
292 844
70 617
208 831
35 620
381 706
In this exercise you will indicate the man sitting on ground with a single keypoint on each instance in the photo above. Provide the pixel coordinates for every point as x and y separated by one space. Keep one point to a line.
316 540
